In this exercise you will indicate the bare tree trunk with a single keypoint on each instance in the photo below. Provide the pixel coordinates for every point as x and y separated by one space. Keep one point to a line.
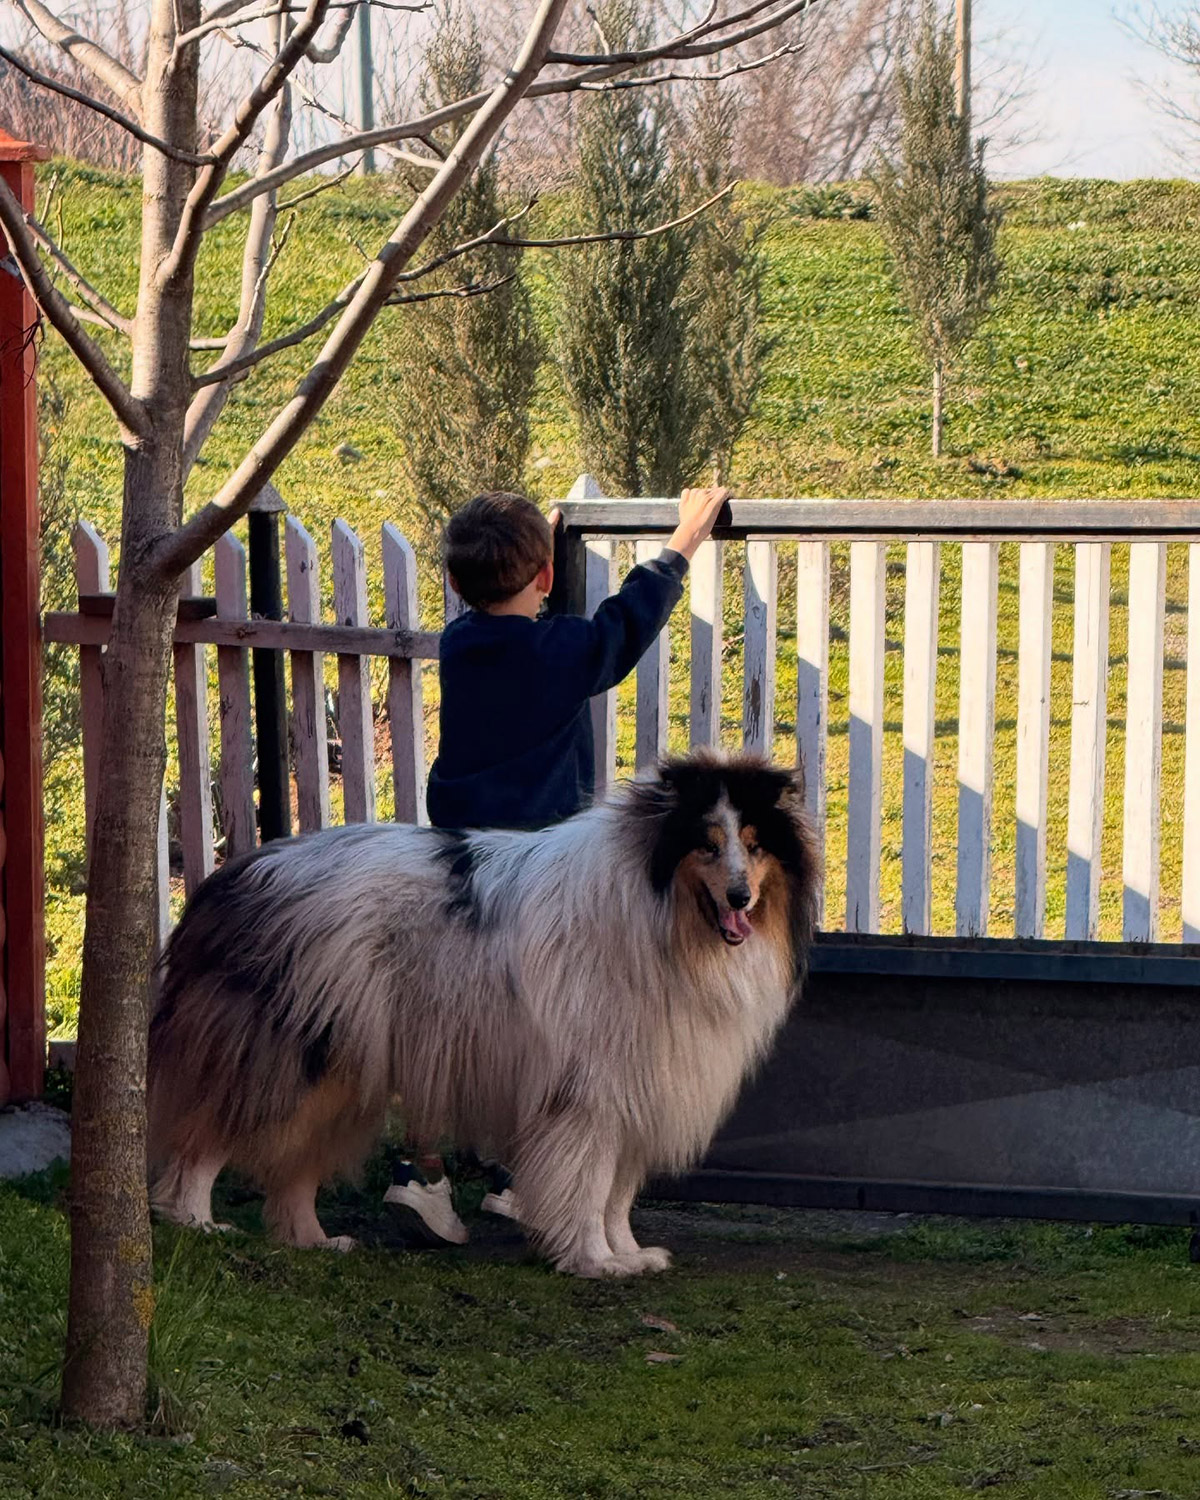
112 1290
939 381
112 1297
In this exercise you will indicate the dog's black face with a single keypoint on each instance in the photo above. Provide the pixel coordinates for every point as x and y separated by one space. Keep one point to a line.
725 826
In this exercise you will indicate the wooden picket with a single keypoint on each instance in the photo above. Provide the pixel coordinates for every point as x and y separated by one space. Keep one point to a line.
868 571
761 629
1190 894
976 736
708 628
91 577
1143 740
1089 724
921 595
195 770
406 714
309 735
233 680
601 582
355 720
1036 603
653 683
812 682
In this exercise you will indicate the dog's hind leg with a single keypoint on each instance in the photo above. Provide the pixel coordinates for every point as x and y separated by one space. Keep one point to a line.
291 1214
182 1191
617 1228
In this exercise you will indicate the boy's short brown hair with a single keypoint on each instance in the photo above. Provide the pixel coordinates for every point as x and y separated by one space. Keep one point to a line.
494 546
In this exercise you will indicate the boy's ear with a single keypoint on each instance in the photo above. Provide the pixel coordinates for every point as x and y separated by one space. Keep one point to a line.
454 584
545 577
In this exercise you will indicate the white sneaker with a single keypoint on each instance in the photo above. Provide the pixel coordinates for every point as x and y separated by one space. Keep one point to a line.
504 1204
433 1205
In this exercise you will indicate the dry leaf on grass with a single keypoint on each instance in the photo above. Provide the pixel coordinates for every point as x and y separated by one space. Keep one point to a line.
660 1357
664 1325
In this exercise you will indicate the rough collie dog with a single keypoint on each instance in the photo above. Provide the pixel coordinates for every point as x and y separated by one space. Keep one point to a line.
583 1002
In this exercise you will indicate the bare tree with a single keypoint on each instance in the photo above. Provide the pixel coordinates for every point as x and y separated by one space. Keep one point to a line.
824 112
1174 34
165 411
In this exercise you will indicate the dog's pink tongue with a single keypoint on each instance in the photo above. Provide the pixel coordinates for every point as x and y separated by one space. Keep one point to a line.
736 923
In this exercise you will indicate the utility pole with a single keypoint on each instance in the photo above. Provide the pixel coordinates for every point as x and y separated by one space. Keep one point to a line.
366 84
962 58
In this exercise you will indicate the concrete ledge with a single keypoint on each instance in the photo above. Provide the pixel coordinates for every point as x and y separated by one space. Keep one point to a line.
32 1136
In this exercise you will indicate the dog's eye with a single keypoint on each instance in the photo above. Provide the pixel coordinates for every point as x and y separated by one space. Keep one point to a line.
711 851
753 848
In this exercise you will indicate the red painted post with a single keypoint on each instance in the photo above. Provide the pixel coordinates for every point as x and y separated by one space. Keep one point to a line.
22 906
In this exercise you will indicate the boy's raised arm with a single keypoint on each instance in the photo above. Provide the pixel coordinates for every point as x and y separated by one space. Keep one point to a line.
605 649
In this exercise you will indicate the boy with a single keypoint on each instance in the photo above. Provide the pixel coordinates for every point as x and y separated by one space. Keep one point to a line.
516 741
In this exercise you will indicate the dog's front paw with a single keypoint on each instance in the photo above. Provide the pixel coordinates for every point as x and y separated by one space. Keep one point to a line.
339 1242
595 1269
648 1258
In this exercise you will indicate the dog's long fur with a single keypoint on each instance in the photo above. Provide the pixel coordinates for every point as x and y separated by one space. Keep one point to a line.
585 1002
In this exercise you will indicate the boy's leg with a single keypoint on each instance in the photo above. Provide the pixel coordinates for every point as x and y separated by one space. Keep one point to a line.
499 1198
419 1183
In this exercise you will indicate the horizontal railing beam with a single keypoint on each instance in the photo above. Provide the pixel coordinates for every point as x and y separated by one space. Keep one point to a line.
92 629
912 520
1030 960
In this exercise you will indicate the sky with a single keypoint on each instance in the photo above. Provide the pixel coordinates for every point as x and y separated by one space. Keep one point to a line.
1086 115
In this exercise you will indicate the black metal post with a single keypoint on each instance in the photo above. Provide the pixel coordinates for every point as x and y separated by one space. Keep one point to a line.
270 707
569 593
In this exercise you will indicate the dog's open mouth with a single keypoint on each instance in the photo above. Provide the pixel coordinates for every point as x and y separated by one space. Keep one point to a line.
734 926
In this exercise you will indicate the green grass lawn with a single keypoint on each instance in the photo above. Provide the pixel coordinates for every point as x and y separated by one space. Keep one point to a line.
805 1357
1084 382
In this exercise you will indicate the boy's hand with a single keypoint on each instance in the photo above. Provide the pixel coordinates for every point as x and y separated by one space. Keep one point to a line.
698 511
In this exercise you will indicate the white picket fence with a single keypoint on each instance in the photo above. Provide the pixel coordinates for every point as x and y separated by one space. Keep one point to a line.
598 524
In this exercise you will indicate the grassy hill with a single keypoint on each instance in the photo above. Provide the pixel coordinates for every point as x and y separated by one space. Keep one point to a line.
1085 382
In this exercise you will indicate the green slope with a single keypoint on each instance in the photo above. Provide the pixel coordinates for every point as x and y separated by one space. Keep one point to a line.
1085 382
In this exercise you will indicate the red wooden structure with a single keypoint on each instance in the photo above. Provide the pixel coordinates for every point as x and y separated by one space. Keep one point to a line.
22 926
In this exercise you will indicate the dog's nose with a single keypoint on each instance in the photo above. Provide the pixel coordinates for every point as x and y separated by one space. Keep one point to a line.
738 896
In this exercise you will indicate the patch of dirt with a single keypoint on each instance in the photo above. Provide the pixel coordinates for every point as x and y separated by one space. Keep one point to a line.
1065 1333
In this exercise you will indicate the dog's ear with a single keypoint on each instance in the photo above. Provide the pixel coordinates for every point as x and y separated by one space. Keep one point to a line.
670 799
798 785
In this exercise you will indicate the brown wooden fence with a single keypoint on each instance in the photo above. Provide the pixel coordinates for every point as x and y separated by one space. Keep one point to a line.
223 622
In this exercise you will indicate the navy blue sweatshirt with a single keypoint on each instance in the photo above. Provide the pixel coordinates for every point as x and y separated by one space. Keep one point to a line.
516 734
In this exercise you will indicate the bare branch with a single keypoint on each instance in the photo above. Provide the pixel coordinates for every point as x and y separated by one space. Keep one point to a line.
496 236
235 369
236 13
792 49
115 76
316 104
179 549
420 126
320 187
57 310
468 289
605 235
679 46
192 220
341 30
102 309
259 256
43 80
